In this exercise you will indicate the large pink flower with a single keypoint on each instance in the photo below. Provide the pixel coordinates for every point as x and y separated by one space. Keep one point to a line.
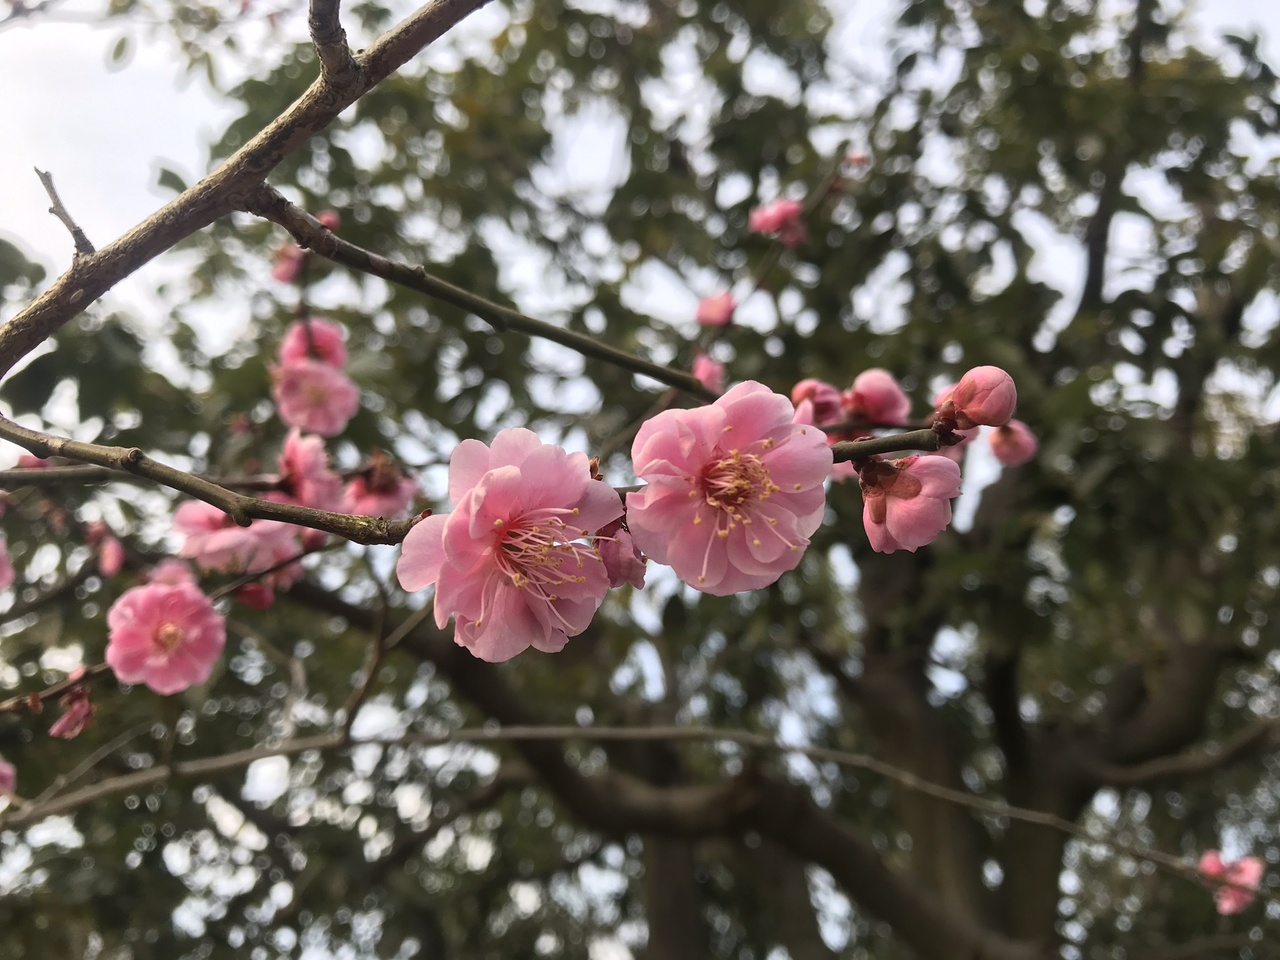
314 396
166 636
734 490
1246 873
316 339
305 476
508 563
907 502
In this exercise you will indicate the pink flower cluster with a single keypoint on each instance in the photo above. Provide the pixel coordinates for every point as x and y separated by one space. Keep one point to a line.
167 636
309 387
514 563
781 219
1240 881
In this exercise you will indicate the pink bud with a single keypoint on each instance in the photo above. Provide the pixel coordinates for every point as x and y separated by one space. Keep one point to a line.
984 395
716 311
1242 878
258 596
823 396
780 218
710 373
1211 864
876 398
288 263
1014 443
110 557
330 219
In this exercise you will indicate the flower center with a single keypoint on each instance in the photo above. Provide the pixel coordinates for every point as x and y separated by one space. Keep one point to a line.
168 636
734 481
536 550
315 393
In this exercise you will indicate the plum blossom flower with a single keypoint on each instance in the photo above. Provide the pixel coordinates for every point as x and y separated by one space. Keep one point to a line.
622 560
1013 444
8 777
781 218
305 477
984 396
716 310
6 565
314 339
1244 873
110 552
710 372
734 490
509 563
876 397
165 636
907 502
824 398
314 396
844 470
215 542
79 710
382 490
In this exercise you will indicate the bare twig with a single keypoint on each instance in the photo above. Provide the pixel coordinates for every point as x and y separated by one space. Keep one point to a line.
1253 739
63 781
78 237
26 700
242 509
310 233
338 67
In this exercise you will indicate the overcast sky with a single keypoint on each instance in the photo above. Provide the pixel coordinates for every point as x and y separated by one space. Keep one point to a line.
105 132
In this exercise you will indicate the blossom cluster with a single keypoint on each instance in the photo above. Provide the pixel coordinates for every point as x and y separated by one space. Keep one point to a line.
309 386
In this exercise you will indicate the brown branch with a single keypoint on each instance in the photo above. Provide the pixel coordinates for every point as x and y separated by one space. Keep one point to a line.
242 509
78 237
310 233
81 473
852 450
25 701
55 593
1259 737
223 191
338 67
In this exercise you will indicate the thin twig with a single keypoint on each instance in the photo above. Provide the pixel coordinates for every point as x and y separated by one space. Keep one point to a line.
25 701
337 66
62 781
78 237
848 450
268 203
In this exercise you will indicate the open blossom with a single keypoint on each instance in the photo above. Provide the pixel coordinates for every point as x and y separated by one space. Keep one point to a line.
305 477
780 218
316 339
314 396
1014 444
509 563
984 396
907 502
8 777
6 565
734 490
215 542
716 310
710 373
166 636
1245 873
876 397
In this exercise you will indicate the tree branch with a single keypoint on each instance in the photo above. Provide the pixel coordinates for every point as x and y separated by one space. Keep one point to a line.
1260 737
310 233
78 237
337 66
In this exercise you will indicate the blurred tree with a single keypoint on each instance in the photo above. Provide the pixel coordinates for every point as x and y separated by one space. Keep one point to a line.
1074 191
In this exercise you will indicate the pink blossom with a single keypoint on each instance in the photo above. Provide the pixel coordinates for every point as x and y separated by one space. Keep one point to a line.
330 219
257 596
27 461
1014 444
79 710
984 395
507 562
305 477
716 310
876 398
167 637
380 491
288 263
215 542
710 373
314 396
8 777
843 470
325 343
734 490
110 552
6 565
1244 873
907 502
171 571
824 398
780 218
622 561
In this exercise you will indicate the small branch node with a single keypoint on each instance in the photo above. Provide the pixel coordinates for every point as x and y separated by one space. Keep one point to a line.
82 244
